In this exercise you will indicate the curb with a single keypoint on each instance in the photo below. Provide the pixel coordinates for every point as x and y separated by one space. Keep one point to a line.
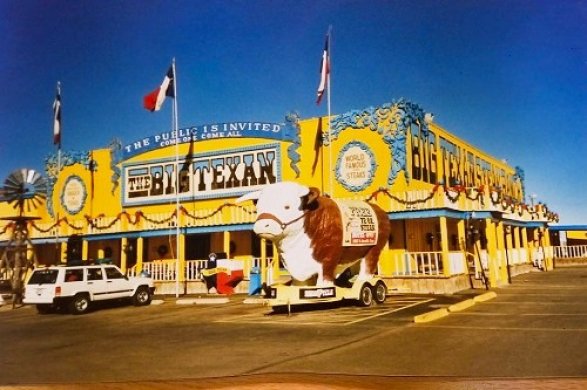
431 315
461 305
201 301
485 297
456 307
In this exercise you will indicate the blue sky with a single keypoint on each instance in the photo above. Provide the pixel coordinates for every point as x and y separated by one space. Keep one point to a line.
510 77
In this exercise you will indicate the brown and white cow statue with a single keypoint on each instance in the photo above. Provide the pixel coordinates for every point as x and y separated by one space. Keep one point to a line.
317 236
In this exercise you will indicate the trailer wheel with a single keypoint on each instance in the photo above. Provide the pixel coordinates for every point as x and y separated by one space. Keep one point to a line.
380 292
366 295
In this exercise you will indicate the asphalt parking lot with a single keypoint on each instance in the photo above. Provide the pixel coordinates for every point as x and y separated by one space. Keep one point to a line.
534 329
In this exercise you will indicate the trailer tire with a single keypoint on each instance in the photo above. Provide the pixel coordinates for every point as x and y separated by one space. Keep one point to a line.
379 292
365 295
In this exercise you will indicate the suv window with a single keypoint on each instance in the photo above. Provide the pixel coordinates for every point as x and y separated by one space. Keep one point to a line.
45 276
74 275
95 274
113 273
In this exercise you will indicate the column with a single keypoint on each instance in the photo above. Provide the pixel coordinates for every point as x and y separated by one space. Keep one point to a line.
263 260
384 265
140 246
462 237
492 260
181 258
525 244
548 249
503 257
446 265
85 250
517 243
226 244
63 255
276 271
123 248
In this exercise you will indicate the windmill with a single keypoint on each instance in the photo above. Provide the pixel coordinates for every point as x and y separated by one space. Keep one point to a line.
25 189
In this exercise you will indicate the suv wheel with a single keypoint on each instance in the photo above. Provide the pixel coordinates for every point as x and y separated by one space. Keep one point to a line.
142 297
79 304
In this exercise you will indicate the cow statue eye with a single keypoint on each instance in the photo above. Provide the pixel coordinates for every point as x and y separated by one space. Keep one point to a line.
286 207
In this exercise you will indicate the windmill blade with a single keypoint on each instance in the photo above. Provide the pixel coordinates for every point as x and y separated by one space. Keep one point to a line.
25 187
33 177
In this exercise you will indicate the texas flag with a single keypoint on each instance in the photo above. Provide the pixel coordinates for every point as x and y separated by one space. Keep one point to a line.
154 100
324 71
57 117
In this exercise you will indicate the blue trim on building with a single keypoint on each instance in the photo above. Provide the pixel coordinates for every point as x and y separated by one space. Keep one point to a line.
435 213
568 228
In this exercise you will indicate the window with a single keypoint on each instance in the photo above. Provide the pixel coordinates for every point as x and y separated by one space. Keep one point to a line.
95 274
46 276
113 273
74 275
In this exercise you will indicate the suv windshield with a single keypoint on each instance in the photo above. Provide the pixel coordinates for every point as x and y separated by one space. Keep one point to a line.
45 276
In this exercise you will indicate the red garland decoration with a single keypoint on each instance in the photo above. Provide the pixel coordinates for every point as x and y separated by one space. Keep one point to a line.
503 201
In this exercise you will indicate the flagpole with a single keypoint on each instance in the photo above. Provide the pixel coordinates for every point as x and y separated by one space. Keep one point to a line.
329 55
58 121
177 218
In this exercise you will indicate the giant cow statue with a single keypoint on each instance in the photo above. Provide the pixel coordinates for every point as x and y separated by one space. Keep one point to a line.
308 231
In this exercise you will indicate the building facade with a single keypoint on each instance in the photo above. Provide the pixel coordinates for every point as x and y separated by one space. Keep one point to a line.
164 202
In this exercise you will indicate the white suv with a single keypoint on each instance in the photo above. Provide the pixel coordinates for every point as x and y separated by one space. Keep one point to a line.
75 287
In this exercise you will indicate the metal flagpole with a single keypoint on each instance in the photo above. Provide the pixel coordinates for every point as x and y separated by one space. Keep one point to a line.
57 122
332 173
177 219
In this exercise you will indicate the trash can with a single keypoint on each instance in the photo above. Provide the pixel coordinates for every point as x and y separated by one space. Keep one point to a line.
255 281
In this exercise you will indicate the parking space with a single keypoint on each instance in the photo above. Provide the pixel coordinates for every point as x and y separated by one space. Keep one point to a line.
337 316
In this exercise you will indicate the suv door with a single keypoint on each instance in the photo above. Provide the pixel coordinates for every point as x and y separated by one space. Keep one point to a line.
97 283
118 285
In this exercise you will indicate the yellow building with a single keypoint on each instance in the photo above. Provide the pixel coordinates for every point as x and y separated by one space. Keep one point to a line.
458 215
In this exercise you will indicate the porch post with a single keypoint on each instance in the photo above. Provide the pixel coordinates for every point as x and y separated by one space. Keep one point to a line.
85 250
516 244
181 257
544 242
226 244
263 259
123 246
501 248
525 246
509 231
491 253
462 244
140 246
276 271
446 265
63 254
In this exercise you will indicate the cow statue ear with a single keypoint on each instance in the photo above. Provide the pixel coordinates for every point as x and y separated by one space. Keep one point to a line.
310 200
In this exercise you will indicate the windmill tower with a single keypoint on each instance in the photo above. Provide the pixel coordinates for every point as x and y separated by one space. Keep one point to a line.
25 189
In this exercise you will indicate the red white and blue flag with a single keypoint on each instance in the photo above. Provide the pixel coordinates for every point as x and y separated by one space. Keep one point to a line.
57 117
154 100
324 71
